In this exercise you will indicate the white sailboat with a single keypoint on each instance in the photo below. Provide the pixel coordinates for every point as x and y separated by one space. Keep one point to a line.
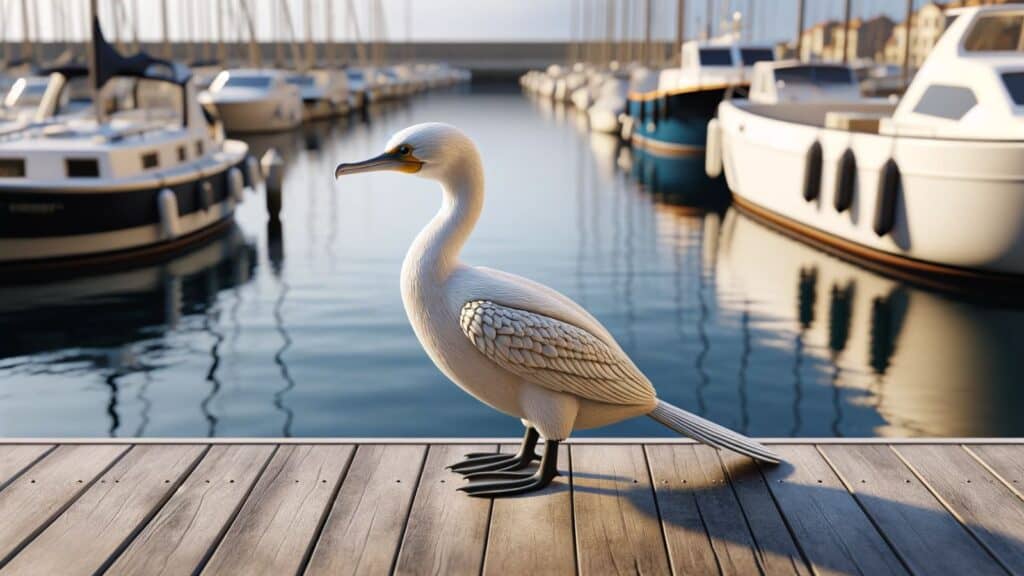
98 189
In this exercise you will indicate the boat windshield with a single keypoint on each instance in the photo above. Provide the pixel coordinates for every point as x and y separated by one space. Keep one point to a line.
715 57
751 56
304 81
817 75
248 82
996 33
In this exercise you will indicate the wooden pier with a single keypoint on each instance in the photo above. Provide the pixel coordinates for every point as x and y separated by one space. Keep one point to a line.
368 507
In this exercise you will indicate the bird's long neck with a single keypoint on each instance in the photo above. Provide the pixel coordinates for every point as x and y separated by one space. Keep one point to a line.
435 252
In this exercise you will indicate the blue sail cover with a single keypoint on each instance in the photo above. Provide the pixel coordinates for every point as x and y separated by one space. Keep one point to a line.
109 63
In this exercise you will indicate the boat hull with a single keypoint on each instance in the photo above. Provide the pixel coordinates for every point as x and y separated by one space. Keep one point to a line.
256 116
672 123
75 224
959 205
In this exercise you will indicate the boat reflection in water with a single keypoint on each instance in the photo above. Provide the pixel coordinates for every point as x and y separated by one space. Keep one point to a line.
677 180
116 324
930 364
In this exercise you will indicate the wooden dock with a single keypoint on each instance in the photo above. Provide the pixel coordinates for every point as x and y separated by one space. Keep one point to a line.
333 507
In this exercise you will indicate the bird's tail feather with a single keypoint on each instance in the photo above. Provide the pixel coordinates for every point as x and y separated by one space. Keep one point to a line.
709 433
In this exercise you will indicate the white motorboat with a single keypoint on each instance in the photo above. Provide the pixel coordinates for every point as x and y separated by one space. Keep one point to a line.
324 93
610 104
934 184
255 100
85 190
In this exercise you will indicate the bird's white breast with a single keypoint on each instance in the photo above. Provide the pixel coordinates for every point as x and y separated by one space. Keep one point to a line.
433 306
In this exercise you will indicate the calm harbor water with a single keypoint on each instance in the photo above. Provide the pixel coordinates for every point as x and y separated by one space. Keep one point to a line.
299 330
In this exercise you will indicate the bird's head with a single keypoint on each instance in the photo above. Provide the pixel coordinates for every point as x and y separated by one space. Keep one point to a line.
430 150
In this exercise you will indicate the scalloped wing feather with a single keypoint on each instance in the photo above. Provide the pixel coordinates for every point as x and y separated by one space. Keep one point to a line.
553 354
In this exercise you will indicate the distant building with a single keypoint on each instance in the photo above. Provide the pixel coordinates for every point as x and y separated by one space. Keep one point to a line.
867 39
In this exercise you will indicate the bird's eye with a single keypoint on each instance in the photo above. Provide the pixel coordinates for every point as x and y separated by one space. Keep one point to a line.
404 150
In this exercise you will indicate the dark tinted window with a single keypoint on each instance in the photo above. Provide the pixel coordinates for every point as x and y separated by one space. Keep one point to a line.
815 75
715 57
751 56
995 33
247 82
150 160
950 102
1014 82
301 80
12 168
82 168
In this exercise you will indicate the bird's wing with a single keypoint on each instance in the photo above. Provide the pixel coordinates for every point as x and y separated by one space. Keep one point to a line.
553 354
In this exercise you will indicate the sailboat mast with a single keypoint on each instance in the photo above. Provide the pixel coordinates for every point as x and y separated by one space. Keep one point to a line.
308 21
680 30
96 104
648 21
799 29
846 31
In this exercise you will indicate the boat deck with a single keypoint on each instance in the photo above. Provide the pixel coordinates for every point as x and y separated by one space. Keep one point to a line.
366 507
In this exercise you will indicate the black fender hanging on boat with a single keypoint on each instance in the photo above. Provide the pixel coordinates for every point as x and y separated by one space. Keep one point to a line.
888 194
846 178
812 172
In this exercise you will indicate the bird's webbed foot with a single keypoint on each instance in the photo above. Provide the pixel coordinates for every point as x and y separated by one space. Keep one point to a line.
497 484
476 462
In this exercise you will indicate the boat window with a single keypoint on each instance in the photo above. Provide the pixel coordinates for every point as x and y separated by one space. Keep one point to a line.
995 33
12 168
715 57
82 168
354 74
248 82
814 75
199 148
182 154
949 102
304 81
150 160
751 56
1014 82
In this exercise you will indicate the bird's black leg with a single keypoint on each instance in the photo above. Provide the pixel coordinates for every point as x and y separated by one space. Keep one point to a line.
509 487
492 462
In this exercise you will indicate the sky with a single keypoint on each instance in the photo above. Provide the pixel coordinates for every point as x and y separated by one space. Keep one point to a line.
433 20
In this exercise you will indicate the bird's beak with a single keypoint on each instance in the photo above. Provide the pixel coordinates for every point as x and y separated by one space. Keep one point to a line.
386 161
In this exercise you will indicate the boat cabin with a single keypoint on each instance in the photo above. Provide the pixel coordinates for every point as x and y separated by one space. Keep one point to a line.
793 81
713 65
972 84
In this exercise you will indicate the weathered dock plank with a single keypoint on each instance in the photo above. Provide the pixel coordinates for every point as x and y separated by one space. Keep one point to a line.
925 535
830 527
447 530
275 529
532 534
40 494
179 539
774 545
703 523
618 530
1007 461
346 507
90 531
15 458
982 503
365 525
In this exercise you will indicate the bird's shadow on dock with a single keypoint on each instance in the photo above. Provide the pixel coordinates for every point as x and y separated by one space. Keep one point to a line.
831 519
